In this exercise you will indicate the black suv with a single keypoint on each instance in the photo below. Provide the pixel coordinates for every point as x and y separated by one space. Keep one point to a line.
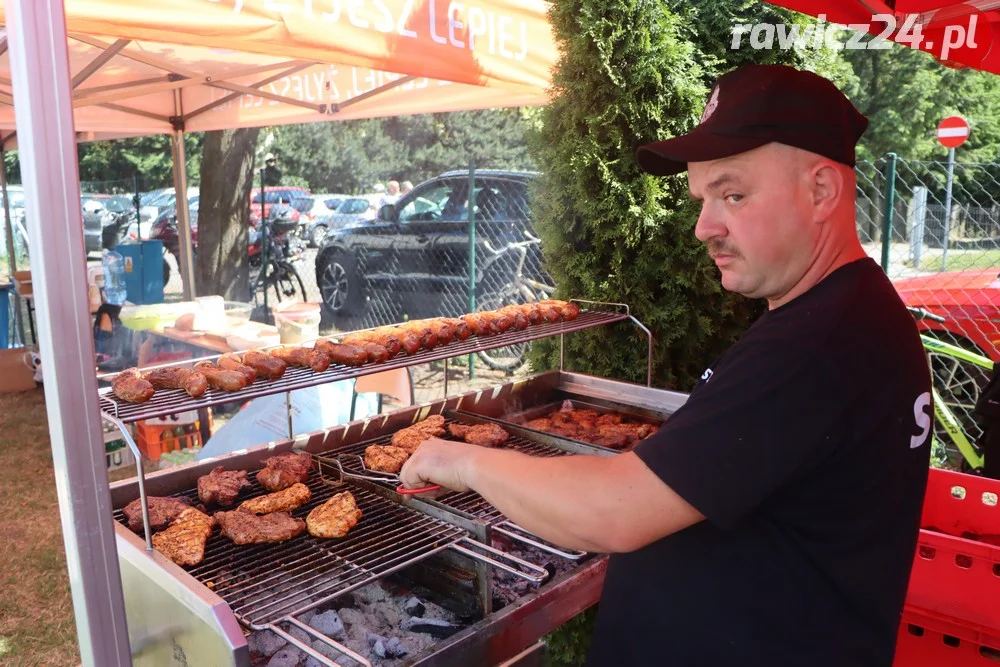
414 259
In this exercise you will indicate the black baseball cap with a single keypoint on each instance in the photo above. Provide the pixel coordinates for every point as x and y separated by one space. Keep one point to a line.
759 104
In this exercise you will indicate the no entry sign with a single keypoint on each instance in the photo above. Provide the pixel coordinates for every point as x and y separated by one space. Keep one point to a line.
953 131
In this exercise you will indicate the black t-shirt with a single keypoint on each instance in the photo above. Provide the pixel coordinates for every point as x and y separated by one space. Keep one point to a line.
806 446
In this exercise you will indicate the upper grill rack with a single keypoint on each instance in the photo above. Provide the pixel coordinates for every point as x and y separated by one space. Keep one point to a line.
264 583
166 402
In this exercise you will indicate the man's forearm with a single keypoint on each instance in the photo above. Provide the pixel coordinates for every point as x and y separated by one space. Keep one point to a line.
571 501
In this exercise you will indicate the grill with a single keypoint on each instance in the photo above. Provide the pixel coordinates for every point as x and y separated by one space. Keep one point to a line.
172 401
266 583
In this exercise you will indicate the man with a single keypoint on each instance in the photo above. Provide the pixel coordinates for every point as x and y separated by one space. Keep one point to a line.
772 520
391 195
272 175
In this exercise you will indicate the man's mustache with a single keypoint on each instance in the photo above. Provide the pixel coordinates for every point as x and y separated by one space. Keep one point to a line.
718 247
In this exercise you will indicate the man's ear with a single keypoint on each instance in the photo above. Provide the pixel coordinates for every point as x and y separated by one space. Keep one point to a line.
826 186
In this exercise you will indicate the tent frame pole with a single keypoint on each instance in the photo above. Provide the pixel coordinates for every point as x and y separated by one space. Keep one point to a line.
185 248
39 59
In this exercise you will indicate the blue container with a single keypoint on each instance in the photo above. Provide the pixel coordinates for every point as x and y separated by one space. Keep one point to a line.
5 292
143 271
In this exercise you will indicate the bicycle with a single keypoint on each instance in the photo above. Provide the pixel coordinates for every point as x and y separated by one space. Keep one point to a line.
519 289
272 257
944 411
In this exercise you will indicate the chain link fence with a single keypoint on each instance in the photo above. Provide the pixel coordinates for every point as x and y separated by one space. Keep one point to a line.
935 228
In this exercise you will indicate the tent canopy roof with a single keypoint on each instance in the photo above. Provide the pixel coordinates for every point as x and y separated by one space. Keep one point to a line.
152 67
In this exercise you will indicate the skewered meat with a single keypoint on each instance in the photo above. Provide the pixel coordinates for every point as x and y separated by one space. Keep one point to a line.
460 326
499 322
266 366
385 458
303 356
567 310
426 338
293 497
478 324
193 382
162 512
484 435
444 330
520 321
410 437
184 541
284 470
348 355
335 517
408 340
232 362
376 353
391 343
129 385
244 527
220 378
222 487
531 311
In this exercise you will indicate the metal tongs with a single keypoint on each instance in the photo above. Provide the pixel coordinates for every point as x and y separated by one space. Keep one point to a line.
379 476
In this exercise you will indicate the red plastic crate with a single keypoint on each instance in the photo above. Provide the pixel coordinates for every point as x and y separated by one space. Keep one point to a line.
953 576
929 640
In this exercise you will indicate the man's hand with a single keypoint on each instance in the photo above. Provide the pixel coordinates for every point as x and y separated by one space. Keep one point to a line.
441 462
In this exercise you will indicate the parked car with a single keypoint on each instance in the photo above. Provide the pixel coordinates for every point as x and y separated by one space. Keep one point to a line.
362 208
316 221
106 220
153 206
414 257
274 195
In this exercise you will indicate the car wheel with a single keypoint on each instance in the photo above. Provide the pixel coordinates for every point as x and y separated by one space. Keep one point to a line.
111 237
340 286
166 272
318 235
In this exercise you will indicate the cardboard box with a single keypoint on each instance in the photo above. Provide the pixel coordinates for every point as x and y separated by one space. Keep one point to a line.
16 373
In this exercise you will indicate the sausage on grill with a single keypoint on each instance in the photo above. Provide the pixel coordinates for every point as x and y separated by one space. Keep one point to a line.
220 378
232 362
266 366
303 356
193 382
348 355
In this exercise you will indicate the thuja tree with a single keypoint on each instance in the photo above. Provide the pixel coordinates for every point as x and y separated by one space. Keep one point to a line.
631 72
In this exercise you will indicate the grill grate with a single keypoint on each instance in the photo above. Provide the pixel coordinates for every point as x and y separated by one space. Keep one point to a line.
166 402
468 502
265 582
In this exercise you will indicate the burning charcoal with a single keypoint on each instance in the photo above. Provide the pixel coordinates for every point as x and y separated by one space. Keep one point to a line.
325 649
329 624
394 648
379 649
414 607
432 626
286 657
373 639
266 643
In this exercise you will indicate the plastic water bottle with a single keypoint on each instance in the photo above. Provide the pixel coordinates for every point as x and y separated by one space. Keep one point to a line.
114 277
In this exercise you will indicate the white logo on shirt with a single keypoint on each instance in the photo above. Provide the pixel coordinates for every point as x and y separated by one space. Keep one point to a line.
922 418
707 375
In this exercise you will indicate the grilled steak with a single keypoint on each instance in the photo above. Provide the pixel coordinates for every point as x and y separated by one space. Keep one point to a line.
244 527
280 472
484 435
410 437
385 458
335 517
222 487
287 500
184 541
162 512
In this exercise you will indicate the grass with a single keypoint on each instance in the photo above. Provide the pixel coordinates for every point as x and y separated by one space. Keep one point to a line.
36 612
972 259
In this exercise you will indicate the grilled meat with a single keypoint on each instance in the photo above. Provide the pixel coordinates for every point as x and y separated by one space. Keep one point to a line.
193 382
391 343
222 487
410 437
129 385
335 517
567 311
233 362
459 326
266 365
484 435
293 497
303 356
244 527
280 472
184 541
162 512
348 355
385 458
221 378
610 429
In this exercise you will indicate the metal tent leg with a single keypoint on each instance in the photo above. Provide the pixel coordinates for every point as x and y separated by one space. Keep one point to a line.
39 59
